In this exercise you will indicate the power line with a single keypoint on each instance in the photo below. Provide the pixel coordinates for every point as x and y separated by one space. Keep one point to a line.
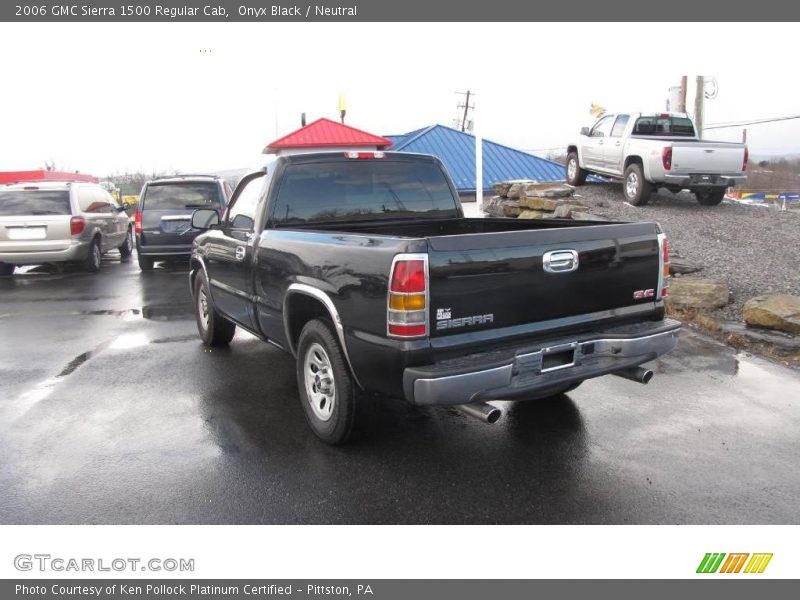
756 122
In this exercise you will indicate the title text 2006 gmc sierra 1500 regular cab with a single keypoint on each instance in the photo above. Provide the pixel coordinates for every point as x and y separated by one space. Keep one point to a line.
362 265
656 150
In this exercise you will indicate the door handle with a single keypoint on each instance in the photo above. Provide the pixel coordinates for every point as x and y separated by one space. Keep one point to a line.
600 143
617 144
560 261
240 252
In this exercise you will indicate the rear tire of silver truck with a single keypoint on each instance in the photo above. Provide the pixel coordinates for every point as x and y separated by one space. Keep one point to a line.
126 248
636 188
215 330
575 175
710 197
335 408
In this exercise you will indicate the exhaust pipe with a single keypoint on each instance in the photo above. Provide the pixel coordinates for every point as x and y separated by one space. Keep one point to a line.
481 410
637 374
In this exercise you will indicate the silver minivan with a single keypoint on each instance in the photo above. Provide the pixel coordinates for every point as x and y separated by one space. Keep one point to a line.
60 222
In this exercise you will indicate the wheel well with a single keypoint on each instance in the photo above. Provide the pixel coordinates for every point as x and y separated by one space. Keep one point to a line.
572 149
194 269
300 309
633 159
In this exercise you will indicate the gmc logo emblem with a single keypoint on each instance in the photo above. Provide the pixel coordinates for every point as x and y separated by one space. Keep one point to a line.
643 294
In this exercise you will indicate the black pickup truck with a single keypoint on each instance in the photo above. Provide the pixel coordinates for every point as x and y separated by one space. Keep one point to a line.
363 267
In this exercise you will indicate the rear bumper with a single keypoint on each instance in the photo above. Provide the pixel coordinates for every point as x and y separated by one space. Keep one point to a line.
699 181
163 249
76 251
520 372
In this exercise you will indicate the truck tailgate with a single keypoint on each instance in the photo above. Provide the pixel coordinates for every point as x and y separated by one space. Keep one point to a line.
492 280
707 157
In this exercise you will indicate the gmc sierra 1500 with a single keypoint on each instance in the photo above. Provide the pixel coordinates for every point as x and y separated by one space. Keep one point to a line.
362 266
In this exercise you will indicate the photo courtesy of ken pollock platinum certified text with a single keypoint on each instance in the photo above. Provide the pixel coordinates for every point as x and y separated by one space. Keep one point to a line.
194 589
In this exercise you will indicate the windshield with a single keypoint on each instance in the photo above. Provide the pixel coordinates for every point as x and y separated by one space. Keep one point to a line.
181 195
20 203
664 125
362 190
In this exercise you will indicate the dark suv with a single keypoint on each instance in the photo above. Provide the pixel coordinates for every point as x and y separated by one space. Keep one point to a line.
163 217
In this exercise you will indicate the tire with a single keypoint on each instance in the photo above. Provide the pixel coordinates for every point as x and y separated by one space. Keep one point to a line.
215 330
93 258
335 408
126 249
6 270
710 198
145 262
635 187
574 174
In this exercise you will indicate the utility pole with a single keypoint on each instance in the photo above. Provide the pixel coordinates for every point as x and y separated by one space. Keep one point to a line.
463 125
698 106
682 96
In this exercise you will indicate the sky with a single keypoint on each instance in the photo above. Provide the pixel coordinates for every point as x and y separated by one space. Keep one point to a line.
106 98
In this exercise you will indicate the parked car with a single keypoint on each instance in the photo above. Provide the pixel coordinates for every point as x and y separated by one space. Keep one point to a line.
647 151
164 212
362 266
60 222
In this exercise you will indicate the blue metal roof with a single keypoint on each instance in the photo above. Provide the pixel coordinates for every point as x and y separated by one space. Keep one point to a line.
456 150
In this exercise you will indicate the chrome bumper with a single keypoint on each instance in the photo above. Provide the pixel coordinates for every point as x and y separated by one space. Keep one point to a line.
527 372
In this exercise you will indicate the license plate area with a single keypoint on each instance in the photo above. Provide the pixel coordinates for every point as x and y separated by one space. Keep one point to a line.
528 367
175 225
26 233
558 357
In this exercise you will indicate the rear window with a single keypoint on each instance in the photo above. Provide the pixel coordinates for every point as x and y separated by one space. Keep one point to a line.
20 203
668 126
179 196
360 190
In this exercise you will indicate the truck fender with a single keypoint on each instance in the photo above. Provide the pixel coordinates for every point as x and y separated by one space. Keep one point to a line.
324 299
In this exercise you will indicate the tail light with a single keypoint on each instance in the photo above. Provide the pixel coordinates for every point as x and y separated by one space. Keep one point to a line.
666 158
137 222
663 279
364 155
746 158
407 306
76 225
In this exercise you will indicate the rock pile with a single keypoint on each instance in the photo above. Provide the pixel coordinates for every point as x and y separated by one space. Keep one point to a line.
528 199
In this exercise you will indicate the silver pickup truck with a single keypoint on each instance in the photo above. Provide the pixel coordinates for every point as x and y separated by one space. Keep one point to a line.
647 151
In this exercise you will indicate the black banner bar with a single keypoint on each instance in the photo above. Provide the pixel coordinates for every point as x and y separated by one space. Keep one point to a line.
709 11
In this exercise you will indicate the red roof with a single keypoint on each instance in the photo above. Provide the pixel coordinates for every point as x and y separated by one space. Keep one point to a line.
324 132
42 175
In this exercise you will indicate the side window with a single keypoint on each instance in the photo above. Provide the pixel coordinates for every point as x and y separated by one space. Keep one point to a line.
619 125
228 190
94 200
242 210
603 127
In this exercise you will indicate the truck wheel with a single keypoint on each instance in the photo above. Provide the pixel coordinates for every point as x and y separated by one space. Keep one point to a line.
6 269
636 188
335 408
575 175
145 262
126 249
215 330
710 198
92 262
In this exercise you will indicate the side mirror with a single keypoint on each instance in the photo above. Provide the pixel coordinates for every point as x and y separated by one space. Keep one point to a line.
205 218
585 131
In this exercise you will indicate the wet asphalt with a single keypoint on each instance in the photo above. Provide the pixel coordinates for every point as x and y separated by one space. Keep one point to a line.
111 411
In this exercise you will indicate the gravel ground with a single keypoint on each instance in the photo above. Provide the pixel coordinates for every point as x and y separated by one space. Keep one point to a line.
756 250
